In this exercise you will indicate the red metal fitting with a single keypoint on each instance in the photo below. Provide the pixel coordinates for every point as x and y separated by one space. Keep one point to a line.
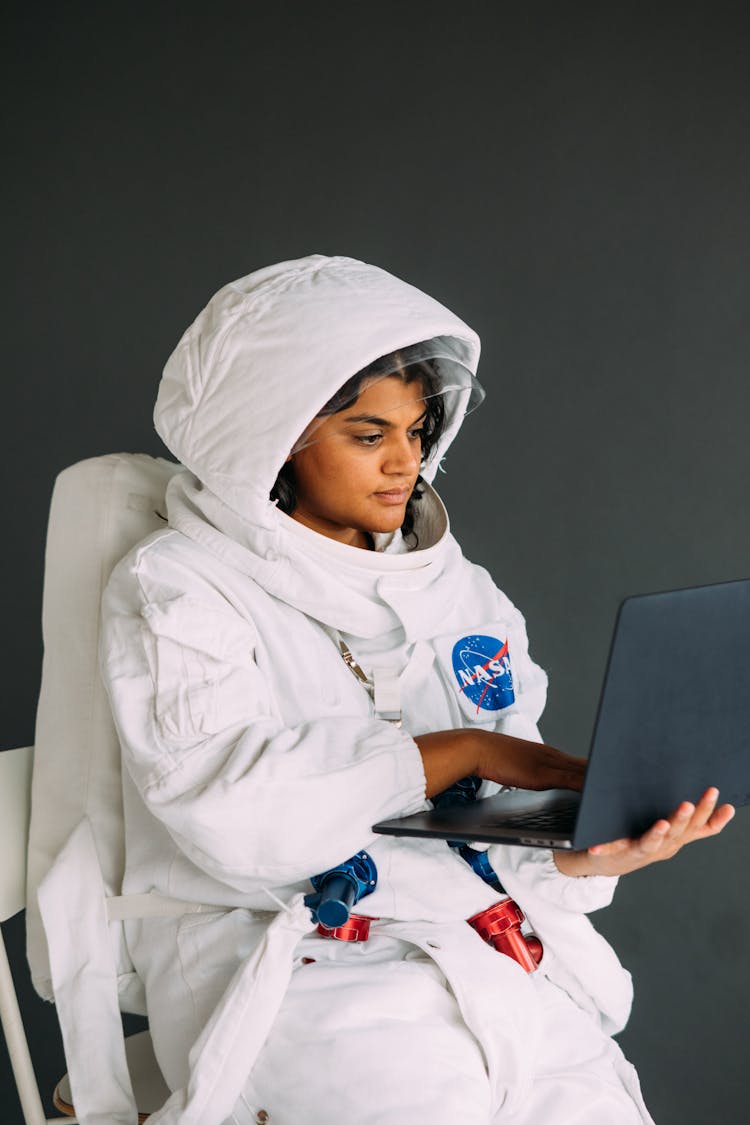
356 929
500 926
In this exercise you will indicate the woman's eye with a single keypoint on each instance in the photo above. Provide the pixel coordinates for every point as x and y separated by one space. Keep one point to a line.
416 434
368 439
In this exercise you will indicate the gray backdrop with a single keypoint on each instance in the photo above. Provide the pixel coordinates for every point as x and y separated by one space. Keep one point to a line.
571 179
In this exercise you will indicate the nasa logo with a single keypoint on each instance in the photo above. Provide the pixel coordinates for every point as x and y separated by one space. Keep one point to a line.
483 672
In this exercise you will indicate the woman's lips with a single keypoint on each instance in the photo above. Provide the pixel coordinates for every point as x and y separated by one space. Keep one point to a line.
394 495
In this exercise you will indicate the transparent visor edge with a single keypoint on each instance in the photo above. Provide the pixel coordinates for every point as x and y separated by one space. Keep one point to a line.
417 386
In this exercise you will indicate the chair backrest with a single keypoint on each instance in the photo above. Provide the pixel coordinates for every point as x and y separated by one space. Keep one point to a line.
100 509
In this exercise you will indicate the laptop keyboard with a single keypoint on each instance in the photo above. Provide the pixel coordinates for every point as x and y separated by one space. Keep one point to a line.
561 817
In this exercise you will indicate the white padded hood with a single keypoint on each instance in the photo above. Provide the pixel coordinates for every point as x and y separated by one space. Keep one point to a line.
267 353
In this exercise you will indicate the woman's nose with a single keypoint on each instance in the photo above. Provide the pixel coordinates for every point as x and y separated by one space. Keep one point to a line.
402 455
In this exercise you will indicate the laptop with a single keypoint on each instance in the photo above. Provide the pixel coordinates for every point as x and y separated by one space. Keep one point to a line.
673 719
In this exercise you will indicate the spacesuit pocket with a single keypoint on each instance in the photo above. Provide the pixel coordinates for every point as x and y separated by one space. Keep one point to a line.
184 701
203 669
198 695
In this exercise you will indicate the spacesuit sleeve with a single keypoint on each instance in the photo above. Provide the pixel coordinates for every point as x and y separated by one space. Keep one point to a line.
535 869
246 798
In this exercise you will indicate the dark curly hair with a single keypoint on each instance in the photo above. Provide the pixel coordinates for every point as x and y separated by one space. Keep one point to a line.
284 490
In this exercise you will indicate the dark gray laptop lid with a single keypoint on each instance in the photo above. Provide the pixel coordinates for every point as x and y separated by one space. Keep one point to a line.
674 714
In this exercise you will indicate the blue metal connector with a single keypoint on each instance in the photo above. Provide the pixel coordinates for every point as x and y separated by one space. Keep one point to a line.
339 888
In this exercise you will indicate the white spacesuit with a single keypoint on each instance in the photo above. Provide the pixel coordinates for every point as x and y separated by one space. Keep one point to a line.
254 759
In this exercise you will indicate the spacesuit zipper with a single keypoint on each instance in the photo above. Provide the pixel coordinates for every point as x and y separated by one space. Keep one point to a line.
351 663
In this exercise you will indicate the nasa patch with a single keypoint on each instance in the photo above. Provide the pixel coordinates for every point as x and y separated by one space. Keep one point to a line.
482 668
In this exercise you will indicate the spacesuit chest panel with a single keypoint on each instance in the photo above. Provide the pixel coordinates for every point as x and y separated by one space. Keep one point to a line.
306 675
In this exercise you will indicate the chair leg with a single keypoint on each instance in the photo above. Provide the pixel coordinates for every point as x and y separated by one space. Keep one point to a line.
18 1048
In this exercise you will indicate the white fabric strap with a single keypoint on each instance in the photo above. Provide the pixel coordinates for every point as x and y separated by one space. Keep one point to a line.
387 694
84 978
76 915
384 686
225 1051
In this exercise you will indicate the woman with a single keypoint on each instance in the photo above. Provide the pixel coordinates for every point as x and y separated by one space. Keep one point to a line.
281 666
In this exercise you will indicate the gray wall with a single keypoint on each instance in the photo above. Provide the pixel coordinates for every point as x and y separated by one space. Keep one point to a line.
573 180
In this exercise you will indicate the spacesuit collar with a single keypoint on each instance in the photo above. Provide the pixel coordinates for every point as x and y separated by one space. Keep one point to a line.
392 554
356 591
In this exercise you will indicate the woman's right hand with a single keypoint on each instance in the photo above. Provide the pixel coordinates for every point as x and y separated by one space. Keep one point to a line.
527 765
450 755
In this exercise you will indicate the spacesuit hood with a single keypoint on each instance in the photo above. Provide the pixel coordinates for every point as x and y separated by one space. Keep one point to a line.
270 349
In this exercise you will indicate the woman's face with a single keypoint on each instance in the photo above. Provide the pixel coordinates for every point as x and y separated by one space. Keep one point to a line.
359 471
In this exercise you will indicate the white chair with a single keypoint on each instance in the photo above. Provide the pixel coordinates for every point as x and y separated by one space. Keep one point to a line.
149 1087
100 509
15 803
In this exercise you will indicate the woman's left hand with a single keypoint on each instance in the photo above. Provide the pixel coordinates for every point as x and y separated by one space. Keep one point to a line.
662 841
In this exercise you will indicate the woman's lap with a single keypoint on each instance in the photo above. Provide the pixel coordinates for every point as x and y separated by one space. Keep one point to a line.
373 1034
386 1043
371 1044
